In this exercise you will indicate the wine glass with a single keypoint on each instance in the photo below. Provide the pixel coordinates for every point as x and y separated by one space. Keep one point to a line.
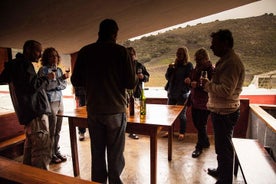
204 75
139 71
54 69
67 70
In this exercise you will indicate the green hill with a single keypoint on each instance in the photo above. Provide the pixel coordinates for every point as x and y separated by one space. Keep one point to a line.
254 41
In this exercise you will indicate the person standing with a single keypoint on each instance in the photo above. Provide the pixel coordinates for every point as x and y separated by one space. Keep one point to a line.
50 61
178 90
198 99
30 103
142 75
224 90
105 70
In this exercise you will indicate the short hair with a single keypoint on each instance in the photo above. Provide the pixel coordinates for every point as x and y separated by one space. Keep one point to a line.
47 54
108 27
30 44
224 35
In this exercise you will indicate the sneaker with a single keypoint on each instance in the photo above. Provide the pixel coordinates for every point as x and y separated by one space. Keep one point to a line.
55 160
165 135
181 137
81 136
196 153
213 172
61 157
133 136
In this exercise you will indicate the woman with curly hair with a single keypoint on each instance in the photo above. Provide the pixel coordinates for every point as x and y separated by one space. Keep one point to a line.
50 61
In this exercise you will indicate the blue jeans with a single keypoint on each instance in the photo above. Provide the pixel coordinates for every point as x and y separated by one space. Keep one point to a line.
108 134
223 129
180 101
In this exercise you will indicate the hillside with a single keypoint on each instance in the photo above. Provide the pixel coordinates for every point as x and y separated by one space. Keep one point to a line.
254 41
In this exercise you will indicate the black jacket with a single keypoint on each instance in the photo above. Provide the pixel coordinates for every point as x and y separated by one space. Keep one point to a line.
105 70
26 89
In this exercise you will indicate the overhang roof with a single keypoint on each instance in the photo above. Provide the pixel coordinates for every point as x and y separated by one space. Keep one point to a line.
68 25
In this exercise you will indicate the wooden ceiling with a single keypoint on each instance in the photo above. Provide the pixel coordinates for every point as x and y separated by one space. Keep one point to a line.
68 25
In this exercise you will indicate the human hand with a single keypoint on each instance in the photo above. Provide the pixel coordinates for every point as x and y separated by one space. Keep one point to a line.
187 80
51 75
140 76
203 81
171 65
193 84
65 75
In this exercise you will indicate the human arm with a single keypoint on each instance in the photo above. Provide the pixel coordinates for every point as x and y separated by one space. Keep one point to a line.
227 80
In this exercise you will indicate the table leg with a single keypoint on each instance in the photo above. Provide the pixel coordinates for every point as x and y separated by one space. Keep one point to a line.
74 146
153 156
170 138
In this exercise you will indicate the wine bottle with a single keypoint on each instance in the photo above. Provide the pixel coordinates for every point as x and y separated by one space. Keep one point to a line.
131 104
143 109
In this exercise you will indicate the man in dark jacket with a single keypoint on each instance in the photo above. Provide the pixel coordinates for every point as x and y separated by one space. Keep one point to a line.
30 103
142 75
105 70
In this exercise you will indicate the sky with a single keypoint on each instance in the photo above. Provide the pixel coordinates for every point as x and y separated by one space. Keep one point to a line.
251 10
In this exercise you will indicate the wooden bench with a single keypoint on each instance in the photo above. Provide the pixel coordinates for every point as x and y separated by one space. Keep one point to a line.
12 136
13 172
12 142
255 163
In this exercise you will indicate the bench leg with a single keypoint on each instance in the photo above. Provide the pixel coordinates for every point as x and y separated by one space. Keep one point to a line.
236 164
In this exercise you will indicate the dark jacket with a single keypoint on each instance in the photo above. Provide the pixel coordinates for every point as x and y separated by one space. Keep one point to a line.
138 88
105 70
26 89
176 76
198 96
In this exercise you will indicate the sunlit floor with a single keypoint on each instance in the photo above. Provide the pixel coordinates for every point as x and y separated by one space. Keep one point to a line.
181 170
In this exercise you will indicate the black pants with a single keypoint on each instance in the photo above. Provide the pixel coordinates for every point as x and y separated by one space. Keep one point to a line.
108 134
200 118
223 128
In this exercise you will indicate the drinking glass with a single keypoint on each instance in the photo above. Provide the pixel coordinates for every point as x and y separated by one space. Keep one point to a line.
204 75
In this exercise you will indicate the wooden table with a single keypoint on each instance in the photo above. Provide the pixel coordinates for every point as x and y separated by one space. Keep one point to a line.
157 116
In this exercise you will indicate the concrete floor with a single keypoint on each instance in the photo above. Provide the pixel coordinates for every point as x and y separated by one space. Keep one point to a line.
183 169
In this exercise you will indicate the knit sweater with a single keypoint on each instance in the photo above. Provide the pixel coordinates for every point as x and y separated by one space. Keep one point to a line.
226 85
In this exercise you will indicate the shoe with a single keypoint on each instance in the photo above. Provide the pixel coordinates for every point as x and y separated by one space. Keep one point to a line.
55 160
181 137
213 172
61 157
165 135
133 136
196 153
81 136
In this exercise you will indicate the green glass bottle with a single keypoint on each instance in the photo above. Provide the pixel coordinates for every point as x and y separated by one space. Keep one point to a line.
131 103
143 109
